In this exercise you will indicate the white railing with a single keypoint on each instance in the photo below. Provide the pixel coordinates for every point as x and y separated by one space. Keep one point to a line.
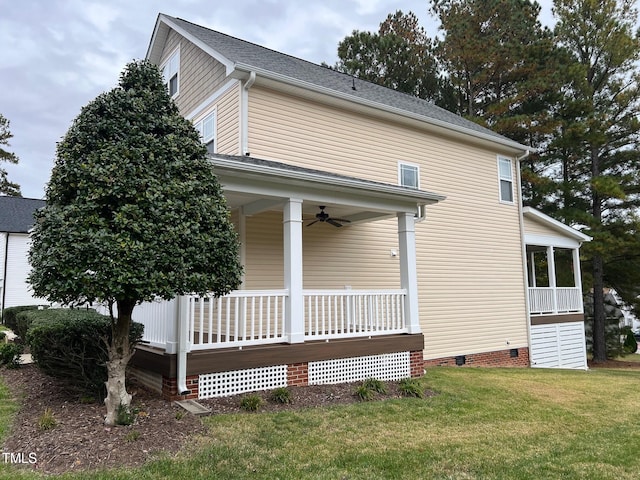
353 313
243 317
549 300
158 317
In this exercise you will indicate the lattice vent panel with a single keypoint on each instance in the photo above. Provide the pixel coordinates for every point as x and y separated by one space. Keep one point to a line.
239 381
389 366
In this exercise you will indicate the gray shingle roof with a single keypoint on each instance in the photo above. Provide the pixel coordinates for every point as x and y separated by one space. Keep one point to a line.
16 213
248 54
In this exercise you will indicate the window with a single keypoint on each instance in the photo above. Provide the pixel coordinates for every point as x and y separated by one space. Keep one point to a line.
170 72
408 175
505 175
207 129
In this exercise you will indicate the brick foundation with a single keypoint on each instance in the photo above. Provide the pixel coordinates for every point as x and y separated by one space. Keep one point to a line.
501 358
416 364
298 374
170 388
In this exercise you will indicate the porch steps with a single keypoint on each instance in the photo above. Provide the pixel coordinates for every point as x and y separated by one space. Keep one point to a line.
194 408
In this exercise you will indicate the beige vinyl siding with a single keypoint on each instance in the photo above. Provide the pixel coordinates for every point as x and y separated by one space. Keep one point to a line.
531 227
200 75
228 118
469 254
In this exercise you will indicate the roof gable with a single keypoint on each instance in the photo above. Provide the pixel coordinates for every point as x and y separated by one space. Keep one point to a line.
16 213
241 57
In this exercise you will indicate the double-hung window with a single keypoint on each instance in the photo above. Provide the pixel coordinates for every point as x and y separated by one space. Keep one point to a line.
170 73
207 129
408 175
505 176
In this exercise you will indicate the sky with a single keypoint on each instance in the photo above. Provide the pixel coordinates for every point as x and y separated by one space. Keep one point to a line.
58 55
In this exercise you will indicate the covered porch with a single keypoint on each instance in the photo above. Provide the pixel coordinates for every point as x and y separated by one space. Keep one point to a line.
280 305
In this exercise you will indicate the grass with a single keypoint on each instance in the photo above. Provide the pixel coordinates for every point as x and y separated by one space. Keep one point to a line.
483 424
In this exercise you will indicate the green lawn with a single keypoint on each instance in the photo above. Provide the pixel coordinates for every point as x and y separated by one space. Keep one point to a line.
483 424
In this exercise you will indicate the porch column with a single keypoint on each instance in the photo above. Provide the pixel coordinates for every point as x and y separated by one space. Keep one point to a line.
408 270
551 269
294 305
577 277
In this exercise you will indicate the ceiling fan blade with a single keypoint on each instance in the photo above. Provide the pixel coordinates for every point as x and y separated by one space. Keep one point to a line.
333 222
343 220
315 221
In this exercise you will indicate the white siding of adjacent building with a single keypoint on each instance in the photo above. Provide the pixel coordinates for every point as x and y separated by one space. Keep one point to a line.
17 289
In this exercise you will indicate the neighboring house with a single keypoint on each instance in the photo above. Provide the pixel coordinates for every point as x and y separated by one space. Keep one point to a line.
16 219
379 232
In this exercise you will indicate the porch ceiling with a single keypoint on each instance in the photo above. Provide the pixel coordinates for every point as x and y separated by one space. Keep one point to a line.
259 185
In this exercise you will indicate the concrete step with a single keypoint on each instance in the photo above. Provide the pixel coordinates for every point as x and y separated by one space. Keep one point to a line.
194 407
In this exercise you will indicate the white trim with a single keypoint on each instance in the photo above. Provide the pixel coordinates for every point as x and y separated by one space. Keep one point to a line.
550 241
174 55
215 96
502 178
563 229
402 163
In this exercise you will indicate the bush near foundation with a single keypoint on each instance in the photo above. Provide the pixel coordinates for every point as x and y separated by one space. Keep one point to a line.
10 319
72 345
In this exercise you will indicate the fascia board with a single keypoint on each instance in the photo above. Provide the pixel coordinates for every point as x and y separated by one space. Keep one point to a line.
503 141
228 64
551 241
305 178
555 224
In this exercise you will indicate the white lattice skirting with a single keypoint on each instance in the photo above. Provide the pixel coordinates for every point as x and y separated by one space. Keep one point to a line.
389 366
240 381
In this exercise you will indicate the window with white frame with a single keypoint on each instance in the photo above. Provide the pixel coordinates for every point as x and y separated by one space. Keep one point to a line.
170 73
408 175
207 129
505 175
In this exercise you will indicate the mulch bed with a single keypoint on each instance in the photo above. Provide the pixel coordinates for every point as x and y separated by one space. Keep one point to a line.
81 442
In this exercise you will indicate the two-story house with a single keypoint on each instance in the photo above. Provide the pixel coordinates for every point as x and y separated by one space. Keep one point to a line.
380 233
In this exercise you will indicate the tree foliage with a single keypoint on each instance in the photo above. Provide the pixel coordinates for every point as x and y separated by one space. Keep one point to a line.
398 56
7 187
134 212
596 148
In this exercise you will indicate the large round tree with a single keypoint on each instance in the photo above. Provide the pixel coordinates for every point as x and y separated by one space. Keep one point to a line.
134 212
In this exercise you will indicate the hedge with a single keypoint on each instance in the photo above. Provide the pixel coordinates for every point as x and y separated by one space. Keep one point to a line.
70 345
10 319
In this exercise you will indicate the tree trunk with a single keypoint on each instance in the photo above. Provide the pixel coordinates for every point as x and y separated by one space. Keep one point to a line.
119 356
599 317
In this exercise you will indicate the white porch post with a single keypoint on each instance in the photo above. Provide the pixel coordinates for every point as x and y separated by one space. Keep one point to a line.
577 278
408 270
551 269
294 320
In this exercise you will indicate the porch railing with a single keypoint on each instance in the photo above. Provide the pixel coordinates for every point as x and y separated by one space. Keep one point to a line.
240 318
353 313
550 300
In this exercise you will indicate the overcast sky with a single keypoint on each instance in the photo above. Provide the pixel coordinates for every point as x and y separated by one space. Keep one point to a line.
58 55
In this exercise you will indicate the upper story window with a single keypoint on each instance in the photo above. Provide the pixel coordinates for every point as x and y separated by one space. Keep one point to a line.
408 175
505 175
207 129
170 73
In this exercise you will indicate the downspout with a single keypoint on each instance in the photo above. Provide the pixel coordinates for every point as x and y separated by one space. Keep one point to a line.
524 250
4 276
183 333
244 114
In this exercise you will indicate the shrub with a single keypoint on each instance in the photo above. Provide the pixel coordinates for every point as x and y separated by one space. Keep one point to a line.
71 345
251 403
630 344
410 387
375 385
364 393
10 319
10 354
126 415
281 395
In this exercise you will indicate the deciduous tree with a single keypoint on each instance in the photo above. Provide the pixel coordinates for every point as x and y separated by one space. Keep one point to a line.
134 212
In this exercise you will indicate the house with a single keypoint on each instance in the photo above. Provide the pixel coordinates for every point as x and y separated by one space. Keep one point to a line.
16 219
380 234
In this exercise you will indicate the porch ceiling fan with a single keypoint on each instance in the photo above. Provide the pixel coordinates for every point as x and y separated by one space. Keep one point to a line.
324 217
